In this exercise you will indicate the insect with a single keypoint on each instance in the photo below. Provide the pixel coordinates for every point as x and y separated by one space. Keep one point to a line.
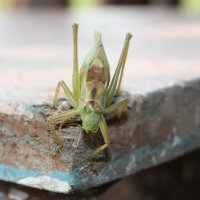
93 91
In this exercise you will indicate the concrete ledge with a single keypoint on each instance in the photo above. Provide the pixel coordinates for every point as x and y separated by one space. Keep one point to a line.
157 127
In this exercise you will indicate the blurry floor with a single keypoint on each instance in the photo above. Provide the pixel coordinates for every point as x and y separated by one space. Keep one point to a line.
175 180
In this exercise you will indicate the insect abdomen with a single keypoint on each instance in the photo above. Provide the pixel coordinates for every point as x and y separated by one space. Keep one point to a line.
96 66
96 72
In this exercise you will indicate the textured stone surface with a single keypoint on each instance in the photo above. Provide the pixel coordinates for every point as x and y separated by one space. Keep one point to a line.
177 179
161 123
157 127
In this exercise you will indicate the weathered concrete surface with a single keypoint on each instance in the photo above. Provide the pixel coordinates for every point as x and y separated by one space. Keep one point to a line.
161 122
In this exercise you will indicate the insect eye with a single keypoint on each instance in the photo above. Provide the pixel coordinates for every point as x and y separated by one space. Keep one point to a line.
98 109
86 109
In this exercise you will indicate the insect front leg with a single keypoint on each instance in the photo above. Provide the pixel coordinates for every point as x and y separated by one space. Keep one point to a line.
69 95
106 137
120 105
51 121
115 84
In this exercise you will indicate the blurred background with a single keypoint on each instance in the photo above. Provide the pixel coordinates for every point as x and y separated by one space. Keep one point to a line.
35 35
189 4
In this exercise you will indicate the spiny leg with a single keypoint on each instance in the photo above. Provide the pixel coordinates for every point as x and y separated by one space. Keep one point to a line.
51 121
76 75
123 58
123 65
106 137
115 83
120 105
69 95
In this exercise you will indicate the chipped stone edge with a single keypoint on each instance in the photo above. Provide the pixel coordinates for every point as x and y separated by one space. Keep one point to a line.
137 160
47 183
18 110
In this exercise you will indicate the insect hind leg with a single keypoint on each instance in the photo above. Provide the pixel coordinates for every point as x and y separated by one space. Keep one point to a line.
115 84
76 74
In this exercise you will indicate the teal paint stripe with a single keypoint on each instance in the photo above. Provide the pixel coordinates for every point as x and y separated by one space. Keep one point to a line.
64 176
12 174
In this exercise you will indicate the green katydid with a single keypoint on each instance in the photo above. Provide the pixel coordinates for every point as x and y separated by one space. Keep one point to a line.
93 91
